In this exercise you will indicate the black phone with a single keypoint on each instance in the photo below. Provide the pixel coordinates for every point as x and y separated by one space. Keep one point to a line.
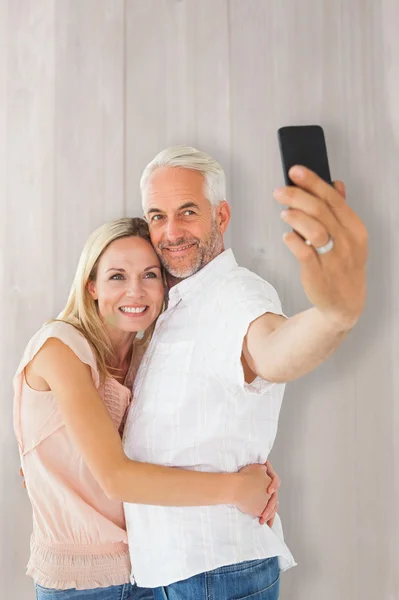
304 145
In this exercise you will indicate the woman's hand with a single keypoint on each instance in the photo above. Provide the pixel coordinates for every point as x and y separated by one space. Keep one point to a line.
23 477
252 496
270 511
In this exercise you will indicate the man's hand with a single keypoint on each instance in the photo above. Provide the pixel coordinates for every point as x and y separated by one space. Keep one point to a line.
335 282
270 511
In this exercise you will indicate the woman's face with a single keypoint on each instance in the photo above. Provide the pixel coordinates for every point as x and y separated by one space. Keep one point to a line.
129 287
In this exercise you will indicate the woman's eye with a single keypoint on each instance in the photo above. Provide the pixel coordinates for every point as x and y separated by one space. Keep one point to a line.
117 277
150 275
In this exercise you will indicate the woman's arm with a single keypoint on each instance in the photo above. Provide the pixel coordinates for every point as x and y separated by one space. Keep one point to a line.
91 428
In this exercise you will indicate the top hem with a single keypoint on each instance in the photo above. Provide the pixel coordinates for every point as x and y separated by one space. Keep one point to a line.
286 561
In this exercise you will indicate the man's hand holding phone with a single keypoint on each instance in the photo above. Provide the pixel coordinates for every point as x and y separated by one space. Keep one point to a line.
329 241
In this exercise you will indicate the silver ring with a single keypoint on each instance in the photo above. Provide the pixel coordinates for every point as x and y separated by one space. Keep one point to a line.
322 249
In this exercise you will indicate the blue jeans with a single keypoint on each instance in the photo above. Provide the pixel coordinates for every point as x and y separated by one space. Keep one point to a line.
115 592
251 580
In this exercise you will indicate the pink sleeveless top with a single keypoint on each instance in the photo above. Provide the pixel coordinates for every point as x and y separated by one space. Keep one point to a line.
79 537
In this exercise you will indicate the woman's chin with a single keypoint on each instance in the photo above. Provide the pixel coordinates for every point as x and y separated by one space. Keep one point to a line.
129 322
135 324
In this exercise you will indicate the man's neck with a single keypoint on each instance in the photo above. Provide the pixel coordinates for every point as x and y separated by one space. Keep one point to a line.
171 280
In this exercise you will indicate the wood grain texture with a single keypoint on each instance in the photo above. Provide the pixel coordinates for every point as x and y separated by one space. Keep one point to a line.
27 244
5 423
177 86
92 90
64 159
296 63
89 137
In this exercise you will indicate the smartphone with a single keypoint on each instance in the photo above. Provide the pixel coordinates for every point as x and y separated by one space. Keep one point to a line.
304 145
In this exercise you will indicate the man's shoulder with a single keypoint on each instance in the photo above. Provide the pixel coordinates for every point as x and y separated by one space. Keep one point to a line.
240 284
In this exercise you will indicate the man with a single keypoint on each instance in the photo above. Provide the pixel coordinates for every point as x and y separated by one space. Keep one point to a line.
210 387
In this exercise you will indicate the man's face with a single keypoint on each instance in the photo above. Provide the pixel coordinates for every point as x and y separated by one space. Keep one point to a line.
186 231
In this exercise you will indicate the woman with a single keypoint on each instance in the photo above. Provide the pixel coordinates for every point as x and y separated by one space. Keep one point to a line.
71 396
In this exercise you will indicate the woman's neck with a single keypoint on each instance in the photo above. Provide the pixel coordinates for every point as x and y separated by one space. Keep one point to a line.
122 344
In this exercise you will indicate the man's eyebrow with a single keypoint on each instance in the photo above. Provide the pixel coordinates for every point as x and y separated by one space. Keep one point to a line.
188 205
182 207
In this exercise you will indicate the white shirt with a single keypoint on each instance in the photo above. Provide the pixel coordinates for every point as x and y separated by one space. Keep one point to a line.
193 409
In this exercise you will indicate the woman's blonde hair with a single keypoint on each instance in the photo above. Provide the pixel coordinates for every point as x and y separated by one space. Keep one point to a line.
81 309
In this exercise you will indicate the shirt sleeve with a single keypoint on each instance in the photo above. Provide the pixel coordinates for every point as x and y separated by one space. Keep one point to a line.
239 302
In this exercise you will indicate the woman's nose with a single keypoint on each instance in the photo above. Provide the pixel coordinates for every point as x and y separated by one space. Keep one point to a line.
135 291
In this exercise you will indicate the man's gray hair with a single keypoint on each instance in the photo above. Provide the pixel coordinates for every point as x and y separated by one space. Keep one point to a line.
187 157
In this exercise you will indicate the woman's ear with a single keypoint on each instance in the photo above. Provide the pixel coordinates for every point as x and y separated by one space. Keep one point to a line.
91 287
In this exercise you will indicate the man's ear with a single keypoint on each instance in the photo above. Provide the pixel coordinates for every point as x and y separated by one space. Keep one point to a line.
223 216
91 287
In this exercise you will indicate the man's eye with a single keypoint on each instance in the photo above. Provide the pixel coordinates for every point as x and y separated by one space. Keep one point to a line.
156 218
189 212
117 277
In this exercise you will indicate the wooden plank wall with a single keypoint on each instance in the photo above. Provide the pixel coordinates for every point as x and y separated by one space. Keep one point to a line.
90 91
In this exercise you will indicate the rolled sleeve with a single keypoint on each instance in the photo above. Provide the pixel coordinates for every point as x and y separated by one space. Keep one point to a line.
238 304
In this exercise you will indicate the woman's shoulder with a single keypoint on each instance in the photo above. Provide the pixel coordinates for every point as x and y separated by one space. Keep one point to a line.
69 335
66 332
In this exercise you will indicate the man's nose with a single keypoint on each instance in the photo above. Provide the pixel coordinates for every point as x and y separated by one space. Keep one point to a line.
173 230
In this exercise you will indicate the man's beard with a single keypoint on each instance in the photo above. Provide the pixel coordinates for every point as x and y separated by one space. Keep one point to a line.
207 249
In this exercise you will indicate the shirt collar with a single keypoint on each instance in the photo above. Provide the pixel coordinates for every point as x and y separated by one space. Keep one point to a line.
222 264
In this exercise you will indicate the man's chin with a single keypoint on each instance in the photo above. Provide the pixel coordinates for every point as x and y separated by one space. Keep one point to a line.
182 271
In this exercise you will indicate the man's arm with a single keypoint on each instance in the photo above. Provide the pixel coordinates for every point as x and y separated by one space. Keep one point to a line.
279 349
